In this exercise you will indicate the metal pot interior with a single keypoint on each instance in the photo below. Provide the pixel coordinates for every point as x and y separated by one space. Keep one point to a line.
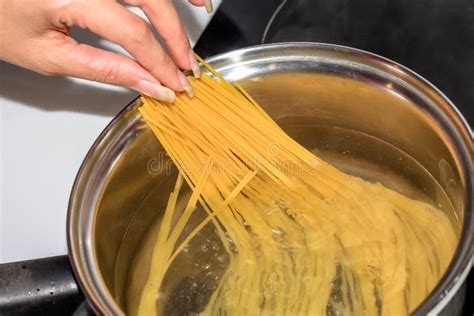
367 115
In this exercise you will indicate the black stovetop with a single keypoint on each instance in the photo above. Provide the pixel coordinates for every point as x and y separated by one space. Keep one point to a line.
435 38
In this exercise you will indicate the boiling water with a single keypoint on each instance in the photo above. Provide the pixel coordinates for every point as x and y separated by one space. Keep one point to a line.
195 273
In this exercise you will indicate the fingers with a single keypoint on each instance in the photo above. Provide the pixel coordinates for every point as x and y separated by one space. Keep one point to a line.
164 17
87 62
200 3
132 33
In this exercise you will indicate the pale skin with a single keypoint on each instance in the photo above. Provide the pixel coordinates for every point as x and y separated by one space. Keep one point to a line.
35 35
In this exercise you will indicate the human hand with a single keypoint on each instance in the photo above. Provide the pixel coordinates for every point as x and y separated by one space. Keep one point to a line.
35 35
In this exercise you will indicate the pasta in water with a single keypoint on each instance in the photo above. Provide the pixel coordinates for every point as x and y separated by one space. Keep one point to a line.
303 239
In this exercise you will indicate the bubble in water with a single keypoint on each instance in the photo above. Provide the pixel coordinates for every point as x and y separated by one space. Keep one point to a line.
282 205
204 247
271 210
273 283
290 213
276 231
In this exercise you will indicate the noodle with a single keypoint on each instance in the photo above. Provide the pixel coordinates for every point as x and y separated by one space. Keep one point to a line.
306 238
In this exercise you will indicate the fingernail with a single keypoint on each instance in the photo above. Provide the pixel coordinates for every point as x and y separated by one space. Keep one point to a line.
208 4
194 64
185 84
155 90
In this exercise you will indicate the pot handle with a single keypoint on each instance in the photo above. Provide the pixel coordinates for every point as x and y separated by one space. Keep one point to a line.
40 287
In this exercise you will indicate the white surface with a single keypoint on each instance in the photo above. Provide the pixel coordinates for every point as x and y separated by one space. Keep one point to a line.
47 127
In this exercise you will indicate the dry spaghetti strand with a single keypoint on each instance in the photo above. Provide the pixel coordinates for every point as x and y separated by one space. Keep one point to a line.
310 239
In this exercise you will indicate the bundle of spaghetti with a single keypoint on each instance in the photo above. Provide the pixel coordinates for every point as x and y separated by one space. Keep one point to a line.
303 238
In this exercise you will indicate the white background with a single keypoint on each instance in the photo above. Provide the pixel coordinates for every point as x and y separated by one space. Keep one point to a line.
47 125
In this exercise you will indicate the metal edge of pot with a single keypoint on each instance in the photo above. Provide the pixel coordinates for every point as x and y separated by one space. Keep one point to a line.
102 301
463 259
94 297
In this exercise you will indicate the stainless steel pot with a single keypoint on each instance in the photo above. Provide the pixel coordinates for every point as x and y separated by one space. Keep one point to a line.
125 177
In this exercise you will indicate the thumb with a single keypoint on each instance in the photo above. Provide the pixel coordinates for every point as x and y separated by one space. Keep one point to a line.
87 62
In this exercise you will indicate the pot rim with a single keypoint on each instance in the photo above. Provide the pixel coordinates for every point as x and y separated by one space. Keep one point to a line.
98 294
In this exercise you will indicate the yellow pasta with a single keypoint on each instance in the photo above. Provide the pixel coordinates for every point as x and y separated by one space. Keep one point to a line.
303 238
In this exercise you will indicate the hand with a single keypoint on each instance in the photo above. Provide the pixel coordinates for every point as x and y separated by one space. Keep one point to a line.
35 35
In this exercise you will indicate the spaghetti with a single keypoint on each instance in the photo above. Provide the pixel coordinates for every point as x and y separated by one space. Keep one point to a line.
303 239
